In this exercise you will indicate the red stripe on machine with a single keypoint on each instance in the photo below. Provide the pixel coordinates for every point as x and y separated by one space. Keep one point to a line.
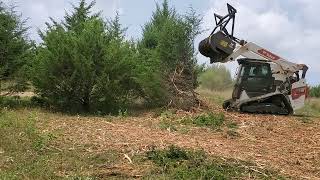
268 54
298 92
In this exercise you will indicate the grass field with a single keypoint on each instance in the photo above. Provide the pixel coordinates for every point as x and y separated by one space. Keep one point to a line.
206 144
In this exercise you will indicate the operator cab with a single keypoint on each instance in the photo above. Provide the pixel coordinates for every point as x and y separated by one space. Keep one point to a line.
254 77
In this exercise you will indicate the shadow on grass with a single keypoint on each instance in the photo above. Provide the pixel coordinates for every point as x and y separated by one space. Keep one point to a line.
35 102
16 102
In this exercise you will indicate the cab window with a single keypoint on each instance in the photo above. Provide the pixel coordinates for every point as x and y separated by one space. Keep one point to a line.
256 71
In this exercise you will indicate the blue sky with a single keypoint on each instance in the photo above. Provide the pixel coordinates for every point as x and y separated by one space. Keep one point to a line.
290 28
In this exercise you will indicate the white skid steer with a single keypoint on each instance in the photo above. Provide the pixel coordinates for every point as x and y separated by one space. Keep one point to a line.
266 82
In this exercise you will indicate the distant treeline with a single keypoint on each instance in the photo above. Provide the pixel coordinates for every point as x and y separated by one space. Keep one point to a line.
85 63
216 78
315 91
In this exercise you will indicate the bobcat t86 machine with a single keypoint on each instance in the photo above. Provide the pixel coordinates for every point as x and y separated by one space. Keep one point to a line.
266 82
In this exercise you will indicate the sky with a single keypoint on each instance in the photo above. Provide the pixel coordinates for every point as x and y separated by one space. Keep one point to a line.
289 28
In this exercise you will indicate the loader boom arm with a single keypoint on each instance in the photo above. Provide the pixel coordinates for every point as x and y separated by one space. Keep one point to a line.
253 51
222 46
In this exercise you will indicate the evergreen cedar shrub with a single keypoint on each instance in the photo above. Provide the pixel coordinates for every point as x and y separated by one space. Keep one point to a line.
84 64
167 47
15 49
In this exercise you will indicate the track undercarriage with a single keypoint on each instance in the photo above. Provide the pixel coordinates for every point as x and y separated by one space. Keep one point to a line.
272 105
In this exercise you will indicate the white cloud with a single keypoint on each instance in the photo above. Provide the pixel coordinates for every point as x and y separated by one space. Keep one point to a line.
109 7
38 11
290 29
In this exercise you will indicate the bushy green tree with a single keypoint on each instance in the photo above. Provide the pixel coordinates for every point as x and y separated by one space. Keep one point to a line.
15 48
84 63
167 48
216 77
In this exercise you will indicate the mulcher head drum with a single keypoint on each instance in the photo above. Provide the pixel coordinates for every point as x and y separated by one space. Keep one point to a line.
217 47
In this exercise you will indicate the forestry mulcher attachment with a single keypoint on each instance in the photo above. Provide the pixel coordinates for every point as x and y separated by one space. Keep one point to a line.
266 83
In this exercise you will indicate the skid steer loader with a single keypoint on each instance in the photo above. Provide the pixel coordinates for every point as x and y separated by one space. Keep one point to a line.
266 82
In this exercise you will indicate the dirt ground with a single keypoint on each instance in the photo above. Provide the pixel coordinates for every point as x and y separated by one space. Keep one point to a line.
285 144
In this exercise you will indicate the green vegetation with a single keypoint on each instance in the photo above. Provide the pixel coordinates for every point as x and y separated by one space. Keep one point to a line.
167 50
172 122
177 163
14 102
216 78
84 64
23 148
16 50
168 121
17 102
315 91
28 153
210 120
217 122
